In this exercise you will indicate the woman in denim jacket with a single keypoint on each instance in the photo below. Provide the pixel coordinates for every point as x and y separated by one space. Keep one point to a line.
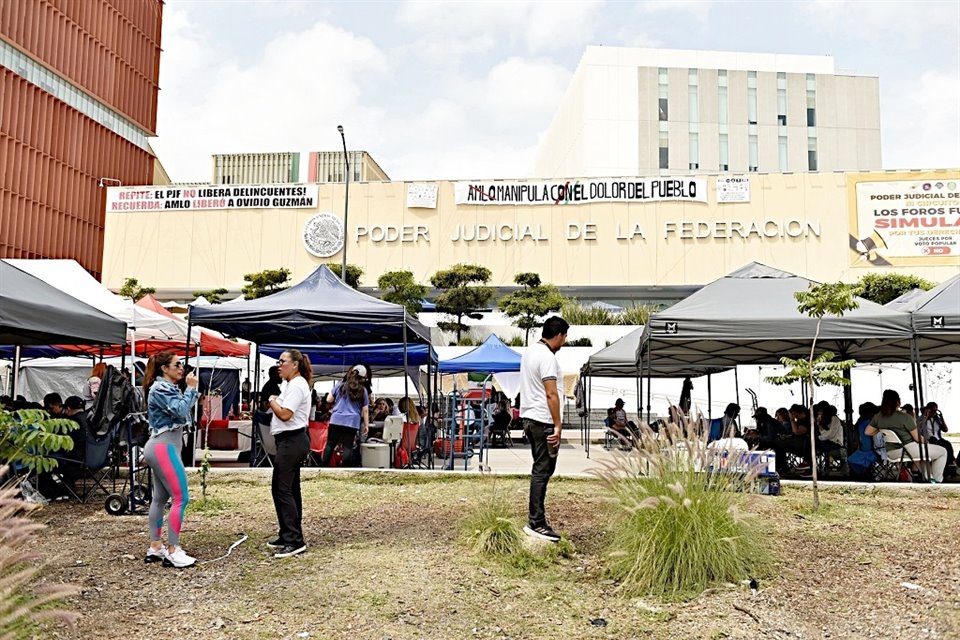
168 412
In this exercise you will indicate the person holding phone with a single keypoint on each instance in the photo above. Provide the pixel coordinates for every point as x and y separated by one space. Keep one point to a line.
932 427
168 413
542 421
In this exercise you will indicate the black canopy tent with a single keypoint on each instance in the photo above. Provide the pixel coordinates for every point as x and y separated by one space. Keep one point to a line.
321 310
750 317
35 313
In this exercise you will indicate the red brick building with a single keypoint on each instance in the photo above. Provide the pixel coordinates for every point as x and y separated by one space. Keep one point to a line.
78 100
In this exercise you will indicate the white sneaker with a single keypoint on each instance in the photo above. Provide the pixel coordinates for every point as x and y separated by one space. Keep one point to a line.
178 559
155 555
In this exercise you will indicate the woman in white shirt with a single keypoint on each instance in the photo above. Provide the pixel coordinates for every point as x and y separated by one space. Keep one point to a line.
291 410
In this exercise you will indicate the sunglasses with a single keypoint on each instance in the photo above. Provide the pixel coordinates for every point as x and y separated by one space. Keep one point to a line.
176 365
282 362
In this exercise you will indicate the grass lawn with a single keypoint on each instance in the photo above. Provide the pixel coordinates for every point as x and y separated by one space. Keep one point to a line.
385 561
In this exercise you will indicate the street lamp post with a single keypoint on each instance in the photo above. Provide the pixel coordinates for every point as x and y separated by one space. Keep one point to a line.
346 204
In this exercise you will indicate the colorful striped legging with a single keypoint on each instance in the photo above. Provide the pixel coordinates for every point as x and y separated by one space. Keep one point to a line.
162 453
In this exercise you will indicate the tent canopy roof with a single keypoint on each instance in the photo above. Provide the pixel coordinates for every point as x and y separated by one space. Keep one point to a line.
210 342
935 315
750 317
33 312
490 357
319 310
619 360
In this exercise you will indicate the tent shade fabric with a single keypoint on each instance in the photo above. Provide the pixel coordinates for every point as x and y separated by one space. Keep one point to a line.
69 277
379 355
33 312
935 317
619 360
210 342
490 357
750 317
319 310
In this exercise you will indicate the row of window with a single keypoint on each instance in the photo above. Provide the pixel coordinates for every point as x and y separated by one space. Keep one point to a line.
693 92
38 75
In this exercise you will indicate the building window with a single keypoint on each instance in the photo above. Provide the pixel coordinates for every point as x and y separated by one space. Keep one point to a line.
664 150
811 153
811 116
782 148
694 151
664 115
724 153
752 97
754 154
782 99
662 79
694 93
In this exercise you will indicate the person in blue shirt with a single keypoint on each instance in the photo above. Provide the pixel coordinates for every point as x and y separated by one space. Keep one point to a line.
350 416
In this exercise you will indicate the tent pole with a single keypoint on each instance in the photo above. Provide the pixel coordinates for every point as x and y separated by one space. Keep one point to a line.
255 407
406 375
16 372
917 401
736 383
586 430
709 395
649 382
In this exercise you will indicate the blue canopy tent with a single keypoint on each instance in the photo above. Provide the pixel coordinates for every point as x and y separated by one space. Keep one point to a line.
320 311
490 357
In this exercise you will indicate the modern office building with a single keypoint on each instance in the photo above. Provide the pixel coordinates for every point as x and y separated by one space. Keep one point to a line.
647 112
78 100
328 166
256 168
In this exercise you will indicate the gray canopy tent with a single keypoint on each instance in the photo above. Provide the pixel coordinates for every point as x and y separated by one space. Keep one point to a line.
935 319
750 317
33 312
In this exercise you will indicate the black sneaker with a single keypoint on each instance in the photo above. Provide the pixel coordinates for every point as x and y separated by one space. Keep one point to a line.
290 550
276 544
542 533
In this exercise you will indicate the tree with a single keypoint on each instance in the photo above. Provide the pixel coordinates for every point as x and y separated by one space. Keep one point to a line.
213 296
885 287
462 294
532 302
131 289
353 273
399 287
263 283
819 300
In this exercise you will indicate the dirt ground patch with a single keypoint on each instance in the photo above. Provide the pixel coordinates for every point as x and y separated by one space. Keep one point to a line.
385 562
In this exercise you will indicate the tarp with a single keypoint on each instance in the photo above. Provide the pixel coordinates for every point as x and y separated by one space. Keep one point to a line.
33 312
69 277
319 310
935 316
750 317
490 357
210 342
377 356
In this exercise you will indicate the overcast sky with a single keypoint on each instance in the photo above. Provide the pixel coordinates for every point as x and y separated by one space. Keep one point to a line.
443 90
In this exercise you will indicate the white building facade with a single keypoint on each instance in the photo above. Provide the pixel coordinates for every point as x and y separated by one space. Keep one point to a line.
643 112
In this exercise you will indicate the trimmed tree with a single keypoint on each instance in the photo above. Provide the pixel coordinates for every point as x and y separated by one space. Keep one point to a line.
463 294
527 305
354 273
263 283
399 287
885 287
213 296
131 289
819 300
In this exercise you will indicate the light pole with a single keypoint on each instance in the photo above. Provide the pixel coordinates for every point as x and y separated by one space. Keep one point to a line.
346 204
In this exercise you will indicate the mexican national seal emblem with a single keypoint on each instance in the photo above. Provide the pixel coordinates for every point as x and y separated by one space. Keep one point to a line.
323 235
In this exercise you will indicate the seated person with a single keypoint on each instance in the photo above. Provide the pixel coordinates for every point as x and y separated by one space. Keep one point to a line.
502 417
932 427
798 442
904 427
619 421
394 410
863 458
726 426
380 410
768 430
829 427
53 404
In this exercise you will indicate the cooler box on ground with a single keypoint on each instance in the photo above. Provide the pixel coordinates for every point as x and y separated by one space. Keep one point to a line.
374 455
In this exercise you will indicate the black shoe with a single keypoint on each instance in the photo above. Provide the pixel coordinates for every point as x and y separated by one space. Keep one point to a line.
276 544
542 533
290 550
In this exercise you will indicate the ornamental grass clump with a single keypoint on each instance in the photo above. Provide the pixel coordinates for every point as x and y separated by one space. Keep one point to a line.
25 608
678 528
490 527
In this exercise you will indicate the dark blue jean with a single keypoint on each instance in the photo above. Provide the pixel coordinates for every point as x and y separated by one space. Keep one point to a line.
543 467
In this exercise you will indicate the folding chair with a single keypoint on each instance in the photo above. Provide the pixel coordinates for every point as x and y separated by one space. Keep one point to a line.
89 472
890 460
267 446
318 432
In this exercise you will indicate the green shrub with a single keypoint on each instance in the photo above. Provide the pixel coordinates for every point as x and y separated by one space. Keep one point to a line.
577 314
28 436
580 342
515 341
490 528
638 314
678 528
466 341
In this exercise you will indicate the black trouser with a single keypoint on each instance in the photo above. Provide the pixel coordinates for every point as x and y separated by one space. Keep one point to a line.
338 434
943 442
543 467
292 450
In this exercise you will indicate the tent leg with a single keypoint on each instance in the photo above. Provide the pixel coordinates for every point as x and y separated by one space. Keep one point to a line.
736 384
255 408
406 380
589 400
16 372
188 452
709 395
649 385
917 403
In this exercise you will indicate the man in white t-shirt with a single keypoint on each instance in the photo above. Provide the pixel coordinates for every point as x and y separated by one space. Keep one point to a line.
541 418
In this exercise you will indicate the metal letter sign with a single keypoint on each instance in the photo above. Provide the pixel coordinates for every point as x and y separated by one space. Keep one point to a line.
937 322
673 328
